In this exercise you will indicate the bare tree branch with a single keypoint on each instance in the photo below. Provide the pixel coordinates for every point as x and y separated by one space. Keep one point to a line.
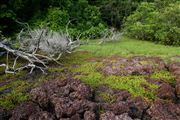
37 47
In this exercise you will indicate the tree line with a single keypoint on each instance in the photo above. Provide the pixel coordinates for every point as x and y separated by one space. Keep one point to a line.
154 20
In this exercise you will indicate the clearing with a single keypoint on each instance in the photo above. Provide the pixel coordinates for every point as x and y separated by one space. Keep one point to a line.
128 78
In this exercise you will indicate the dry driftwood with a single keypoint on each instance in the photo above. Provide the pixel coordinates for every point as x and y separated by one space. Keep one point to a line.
38 47
110 35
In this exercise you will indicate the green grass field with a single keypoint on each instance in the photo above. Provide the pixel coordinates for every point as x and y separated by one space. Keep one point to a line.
127 47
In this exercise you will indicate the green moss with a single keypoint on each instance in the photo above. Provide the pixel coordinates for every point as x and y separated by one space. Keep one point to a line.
10 100
145 62
2 69
133 84
56 69
16 96
164 75
88 73
51 76
78 57
13 76
88 67
108 97
92 79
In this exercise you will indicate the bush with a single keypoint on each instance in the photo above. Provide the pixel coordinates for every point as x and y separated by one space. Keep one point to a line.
153 23
57 19
95 32
87 20
84 19
169 30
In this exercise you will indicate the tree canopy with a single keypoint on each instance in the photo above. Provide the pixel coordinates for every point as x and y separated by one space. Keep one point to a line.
155 20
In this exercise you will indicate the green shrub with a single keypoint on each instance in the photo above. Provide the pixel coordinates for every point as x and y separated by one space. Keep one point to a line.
169 28
153 23
114 11
57 19
87 20
84 19
95 31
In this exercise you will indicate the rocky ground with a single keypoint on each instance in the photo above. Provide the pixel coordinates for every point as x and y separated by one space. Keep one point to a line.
70 98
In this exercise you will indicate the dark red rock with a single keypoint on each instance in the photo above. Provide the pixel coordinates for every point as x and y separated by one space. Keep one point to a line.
137 106
67 107
132 66
117 108
84 91
76 117
43 115
64 119
40 96
166 92
122 95
178 80
88 105
60 98
73 100
174 67
111 116
107 116
161 110
62 106
24 110
178 90
4 114
89 115
124 116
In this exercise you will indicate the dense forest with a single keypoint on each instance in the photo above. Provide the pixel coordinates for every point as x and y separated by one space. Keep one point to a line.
89 60
153 20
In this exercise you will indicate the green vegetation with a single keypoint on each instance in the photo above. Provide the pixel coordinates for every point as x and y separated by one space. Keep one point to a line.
12 76
78 57
55 14
16 95
128 47
144 24
155 23
114 11
88 73
107 97
133 84
85 65
164 75
154 20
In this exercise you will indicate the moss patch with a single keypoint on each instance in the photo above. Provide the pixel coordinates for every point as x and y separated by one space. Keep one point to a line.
133 84
88 73
78 57
16 89
17 75
56 69
107 97
164 75
17 94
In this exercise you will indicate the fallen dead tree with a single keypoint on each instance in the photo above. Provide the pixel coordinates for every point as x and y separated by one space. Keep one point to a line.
110 35
38 47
